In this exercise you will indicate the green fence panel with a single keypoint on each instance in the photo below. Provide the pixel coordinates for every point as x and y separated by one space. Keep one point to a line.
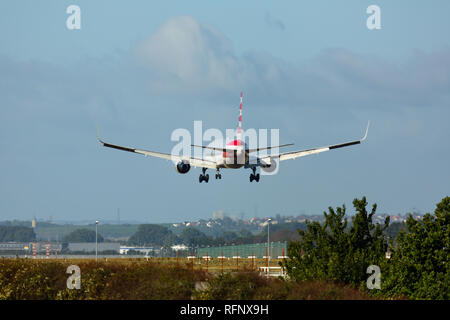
245 250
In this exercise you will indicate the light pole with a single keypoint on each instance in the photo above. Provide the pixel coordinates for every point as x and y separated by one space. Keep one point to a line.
268 247
96 241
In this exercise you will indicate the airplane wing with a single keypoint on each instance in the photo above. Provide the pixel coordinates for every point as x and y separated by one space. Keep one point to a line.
302 153
192 161
211 148
267 148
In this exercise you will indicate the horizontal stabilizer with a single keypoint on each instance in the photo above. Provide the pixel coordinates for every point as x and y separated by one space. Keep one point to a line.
267 148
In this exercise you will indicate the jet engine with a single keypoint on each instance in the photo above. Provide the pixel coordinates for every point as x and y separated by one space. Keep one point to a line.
270 168
183 167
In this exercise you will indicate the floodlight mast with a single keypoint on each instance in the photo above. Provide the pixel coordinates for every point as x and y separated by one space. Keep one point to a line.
96 241
268 247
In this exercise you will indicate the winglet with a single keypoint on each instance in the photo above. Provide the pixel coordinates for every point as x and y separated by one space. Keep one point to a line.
98 135
367 131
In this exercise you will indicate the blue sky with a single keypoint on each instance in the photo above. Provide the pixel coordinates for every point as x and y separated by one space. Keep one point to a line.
312 70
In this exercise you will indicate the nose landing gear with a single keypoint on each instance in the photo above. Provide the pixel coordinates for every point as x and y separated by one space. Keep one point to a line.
218 175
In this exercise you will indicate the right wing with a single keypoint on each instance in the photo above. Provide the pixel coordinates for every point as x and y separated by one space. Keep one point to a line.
302 153
268 148
192 161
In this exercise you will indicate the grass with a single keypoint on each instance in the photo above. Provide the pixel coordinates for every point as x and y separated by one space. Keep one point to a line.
157 278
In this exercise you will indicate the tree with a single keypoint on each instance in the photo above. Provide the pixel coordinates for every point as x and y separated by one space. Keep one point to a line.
334 251
170 240
394 229
16 233
368 242
419 264
228 237
245 233
82 235
151 234
193 237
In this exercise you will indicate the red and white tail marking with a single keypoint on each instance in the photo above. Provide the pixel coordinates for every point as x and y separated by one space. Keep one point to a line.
240 117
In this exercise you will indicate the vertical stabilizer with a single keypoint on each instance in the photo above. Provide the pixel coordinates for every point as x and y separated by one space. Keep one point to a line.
239 132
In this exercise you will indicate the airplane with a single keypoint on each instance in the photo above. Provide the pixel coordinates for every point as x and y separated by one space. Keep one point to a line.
234 155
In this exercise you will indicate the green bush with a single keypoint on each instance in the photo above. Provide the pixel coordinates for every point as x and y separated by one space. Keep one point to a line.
22 279
333 251
251 286
419 265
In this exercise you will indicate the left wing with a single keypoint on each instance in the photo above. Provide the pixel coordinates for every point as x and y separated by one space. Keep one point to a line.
175 158
302 153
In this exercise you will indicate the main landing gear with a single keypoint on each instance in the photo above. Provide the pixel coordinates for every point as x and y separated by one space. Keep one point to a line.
204 177
218 175
254 176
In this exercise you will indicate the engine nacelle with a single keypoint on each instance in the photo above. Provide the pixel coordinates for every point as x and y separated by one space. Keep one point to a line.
270 168
183 167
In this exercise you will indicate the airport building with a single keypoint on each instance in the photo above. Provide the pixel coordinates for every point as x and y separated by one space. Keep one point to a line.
15 246
144 250
29 248
91 246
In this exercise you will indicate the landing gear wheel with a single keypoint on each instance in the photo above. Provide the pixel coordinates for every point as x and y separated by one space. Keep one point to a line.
254 176
203 177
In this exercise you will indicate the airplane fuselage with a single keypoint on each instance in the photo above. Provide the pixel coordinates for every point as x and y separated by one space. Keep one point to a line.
234 156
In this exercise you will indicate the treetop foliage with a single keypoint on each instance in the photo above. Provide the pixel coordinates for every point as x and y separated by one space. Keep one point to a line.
16 234
150 234
332 251
82 235
418 267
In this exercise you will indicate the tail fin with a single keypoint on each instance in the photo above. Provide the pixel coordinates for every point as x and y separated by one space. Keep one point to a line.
240 119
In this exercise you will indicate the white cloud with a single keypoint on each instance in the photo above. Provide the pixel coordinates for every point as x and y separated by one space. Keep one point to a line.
189 56
185 57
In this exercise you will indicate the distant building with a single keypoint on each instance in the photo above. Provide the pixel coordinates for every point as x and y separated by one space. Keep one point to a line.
91 246
146 250
265 223
15 246
179 247
218 215
27 247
